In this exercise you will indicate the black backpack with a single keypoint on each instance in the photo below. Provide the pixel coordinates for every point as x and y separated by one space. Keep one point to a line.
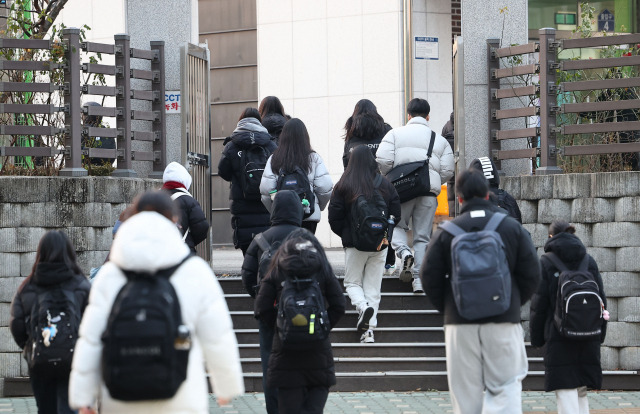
370 221
253 160
53 329
579 307
507 202
480 275
264 261
413 180
146 345
302 315
298 181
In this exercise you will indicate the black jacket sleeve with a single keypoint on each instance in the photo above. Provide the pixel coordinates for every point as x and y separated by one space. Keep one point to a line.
250 267
433 271
393 199
335 298
18 321
540 309
527 267
225 167
337 213
198 224
264 307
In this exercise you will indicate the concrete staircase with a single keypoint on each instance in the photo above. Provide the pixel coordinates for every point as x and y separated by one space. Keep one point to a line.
408 354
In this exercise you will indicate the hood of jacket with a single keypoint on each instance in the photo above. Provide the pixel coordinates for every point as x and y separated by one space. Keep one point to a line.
287 208
567 247
488 168
49 274
176 172
274 123
147 242
250 132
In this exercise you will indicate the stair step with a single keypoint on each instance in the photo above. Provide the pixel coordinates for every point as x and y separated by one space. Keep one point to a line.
408 318
386 334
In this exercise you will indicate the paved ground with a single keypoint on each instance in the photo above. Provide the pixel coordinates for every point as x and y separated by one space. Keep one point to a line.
395 403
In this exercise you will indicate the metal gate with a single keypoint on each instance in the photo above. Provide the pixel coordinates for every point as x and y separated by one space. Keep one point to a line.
196 147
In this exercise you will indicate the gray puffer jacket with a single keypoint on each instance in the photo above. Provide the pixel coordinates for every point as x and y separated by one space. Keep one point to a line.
410 143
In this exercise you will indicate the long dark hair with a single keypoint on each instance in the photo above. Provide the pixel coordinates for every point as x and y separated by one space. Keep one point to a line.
365 122
55 247
300 255
357 179
271 105
294 148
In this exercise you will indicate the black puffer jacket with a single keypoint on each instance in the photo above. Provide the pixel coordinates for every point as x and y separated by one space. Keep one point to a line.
192 218
371 142
308 366
521 255
47 275
274 123
340 211
568 363
286 217
249 217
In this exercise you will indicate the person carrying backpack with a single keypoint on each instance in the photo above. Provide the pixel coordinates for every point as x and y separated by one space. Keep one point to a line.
192 222
286 217
301 365
366 127
45 316
485 352
156 318
498 196
295 166
571 360
363 206
242 163
273 116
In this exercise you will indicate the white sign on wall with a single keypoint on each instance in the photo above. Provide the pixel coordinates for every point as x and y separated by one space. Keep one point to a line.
426 48
172 102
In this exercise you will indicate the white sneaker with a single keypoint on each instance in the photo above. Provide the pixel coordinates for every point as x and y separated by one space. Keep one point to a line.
367 337
417 286
407 264
364 318
389 270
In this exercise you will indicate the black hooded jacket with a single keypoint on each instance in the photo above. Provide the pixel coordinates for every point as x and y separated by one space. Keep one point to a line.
250 217
274 123
46 276
286 217
498 196
568 363
524 265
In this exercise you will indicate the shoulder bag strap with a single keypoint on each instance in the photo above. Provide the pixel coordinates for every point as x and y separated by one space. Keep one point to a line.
433 140
377 181
555 260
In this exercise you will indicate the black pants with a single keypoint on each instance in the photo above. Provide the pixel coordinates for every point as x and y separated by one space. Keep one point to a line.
52 395
310 225
303 400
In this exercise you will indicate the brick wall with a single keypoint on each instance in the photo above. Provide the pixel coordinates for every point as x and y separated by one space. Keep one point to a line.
605 209
456 18
85 208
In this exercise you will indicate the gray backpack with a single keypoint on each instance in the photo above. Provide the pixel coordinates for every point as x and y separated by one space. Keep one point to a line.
480 276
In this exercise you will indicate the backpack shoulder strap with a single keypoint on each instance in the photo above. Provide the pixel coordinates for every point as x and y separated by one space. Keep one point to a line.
431 142
452 228
377 181
181 192
262 242
555 260
165 273
494 221
584 263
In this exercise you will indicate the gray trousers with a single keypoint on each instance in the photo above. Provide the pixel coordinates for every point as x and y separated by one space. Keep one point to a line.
486 364
417 215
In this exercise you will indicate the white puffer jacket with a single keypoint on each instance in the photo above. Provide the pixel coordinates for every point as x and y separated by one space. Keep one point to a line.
319 179
410 143
148 241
